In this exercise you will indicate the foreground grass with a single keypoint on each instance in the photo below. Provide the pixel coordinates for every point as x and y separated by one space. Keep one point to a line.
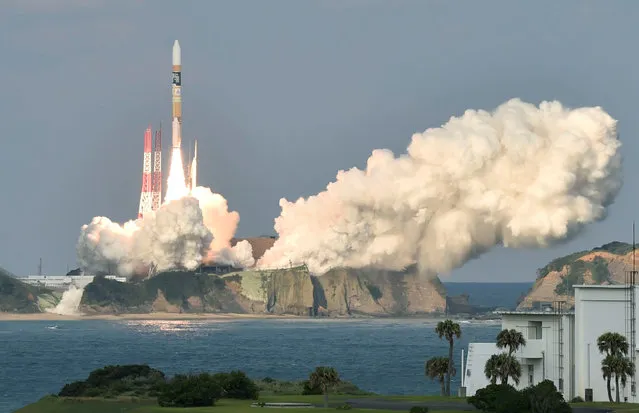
132 405
617 407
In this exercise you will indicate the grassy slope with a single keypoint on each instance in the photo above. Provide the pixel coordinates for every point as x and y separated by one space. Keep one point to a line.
16 296
62 405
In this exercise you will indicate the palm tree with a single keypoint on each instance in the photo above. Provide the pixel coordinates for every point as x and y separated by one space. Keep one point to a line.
612 344
324 378
615 346
625 369
492 369
436 368
607 366
619 366
448 329
510 339
502 366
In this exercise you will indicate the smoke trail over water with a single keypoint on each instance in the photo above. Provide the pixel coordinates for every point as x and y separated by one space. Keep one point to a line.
522 176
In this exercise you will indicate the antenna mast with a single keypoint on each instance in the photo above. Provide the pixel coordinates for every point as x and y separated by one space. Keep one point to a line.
631 317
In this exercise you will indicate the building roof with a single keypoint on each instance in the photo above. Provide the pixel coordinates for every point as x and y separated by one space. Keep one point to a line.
608 286
535 312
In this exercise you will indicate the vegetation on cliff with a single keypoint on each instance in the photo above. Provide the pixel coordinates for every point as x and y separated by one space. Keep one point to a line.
177 288
18 297
577 268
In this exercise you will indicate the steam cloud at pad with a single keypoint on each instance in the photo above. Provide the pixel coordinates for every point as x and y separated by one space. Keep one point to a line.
522 176
191 227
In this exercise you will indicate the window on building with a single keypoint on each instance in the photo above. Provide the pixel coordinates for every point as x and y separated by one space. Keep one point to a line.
531 375
534 330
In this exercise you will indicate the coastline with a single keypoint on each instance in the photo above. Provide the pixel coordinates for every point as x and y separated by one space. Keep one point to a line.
147 316
225 316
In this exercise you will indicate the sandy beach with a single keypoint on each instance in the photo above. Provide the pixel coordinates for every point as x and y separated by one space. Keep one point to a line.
150 316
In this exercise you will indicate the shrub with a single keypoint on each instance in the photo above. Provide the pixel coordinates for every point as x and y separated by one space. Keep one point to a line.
75 389
308 389
343 387
190 391
112 381
499 398
237 385
418 409
577 399
544 398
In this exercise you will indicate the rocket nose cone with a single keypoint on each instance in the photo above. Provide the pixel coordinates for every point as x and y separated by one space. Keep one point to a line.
177 53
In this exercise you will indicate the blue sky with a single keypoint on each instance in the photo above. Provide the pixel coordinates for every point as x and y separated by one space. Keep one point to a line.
281 95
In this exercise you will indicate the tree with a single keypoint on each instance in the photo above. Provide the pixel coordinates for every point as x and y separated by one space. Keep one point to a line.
615 347
612 343
510 339
621 368
437 368
449 330
606 370
324 378
492 369
190 391
502 366
624 369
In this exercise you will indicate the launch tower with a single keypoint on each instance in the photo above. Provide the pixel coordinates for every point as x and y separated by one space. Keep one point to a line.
157 170
146 195
151 194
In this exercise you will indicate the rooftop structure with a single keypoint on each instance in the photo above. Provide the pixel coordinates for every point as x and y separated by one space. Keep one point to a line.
64 281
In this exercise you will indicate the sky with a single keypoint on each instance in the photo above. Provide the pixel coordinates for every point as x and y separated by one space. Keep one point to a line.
281 95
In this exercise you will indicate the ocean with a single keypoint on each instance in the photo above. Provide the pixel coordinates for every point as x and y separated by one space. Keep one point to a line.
489 294
380 355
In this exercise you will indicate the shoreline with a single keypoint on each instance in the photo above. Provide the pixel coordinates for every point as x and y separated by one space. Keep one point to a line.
147 316
215 317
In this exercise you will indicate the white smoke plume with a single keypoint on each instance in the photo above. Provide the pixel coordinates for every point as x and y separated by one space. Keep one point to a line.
69 303
522 176
241 255
182 233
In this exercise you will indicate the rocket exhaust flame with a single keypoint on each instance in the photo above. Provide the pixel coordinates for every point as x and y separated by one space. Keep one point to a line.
176 183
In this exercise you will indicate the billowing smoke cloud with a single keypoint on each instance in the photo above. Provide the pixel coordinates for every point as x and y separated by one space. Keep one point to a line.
523 176
181 234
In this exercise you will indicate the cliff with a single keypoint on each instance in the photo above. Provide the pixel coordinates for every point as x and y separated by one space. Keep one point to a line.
18 297
340 292
602 265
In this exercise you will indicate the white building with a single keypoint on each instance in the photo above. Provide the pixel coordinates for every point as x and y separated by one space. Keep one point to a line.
64 281
562 346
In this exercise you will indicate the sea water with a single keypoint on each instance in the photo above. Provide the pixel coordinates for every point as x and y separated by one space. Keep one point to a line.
384 356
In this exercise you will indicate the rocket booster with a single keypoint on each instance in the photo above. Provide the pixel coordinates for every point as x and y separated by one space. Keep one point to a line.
176 91
194 169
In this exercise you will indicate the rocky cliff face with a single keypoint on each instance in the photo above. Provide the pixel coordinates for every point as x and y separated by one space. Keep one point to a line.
603 265
340 292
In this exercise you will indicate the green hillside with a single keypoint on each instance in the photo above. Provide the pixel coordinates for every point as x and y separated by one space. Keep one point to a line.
18 297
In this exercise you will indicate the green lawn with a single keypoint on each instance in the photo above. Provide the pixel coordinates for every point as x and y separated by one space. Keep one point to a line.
87 405
618 407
